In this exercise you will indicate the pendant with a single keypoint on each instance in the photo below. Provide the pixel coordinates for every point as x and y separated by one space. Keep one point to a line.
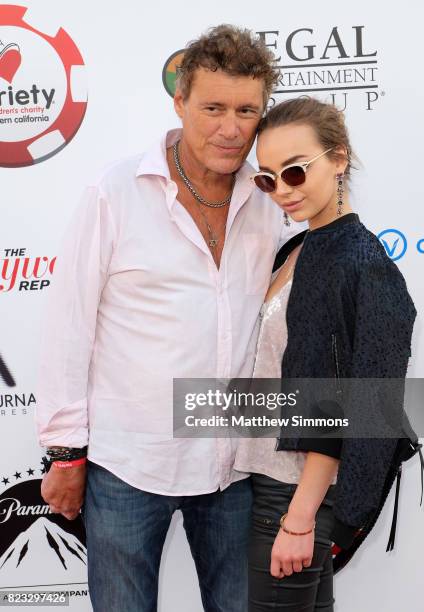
213 242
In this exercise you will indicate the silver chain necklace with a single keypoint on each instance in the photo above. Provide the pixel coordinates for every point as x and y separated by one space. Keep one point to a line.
190 186
213 238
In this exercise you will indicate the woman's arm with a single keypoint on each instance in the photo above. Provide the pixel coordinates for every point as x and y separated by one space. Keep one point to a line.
291 553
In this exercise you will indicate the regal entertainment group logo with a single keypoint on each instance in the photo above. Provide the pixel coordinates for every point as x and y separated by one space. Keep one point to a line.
333 66
337 65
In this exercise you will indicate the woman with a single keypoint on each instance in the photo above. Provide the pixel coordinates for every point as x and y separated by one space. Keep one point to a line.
345 294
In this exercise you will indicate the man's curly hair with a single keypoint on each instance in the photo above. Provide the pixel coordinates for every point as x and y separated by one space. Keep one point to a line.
233 50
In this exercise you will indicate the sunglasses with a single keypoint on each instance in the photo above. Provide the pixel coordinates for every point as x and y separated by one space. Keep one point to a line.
292 175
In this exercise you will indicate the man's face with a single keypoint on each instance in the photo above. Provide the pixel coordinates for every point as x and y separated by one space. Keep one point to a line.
219 118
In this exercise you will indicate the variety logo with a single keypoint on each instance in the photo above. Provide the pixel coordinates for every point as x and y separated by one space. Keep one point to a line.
334 65
43 96
29 532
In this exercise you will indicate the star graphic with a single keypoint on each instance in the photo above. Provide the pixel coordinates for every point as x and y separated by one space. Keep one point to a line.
43 470
30 472
5 481
17 475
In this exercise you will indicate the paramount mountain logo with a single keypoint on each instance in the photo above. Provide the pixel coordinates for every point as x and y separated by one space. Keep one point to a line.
31 533
60 551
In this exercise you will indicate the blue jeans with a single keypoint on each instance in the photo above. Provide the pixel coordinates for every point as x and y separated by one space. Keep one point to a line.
126 530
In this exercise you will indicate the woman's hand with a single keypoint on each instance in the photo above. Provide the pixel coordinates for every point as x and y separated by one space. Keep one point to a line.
292 553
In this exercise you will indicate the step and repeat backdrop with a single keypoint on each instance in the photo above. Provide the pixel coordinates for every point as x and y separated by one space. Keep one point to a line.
85 83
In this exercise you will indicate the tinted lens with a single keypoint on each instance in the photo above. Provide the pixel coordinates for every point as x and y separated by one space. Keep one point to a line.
293 176
265 183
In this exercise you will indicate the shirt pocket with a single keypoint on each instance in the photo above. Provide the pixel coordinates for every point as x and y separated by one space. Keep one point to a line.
259 251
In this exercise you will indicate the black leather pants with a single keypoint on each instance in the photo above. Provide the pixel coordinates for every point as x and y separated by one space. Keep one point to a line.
310 590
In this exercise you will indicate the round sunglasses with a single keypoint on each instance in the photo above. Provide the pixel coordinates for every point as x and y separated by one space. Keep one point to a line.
293 175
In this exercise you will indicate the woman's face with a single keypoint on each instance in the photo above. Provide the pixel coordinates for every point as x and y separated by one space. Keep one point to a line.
317 196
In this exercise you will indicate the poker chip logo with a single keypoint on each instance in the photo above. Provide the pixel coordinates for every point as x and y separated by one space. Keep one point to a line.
170 70
43 94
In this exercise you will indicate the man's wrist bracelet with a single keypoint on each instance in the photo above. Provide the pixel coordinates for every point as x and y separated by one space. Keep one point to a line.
64 453
296 533
69 464
62 464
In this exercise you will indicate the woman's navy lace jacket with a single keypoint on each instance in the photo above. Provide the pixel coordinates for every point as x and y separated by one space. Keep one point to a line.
347 291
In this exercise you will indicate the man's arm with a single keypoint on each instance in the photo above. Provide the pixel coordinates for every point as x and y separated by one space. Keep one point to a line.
70 324
67 343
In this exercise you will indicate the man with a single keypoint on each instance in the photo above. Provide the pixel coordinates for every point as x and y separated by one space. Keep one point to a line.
162 276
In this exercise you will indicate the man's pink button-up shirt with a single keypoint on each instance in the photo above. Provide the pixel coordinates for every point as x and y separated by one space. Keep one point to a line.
136 301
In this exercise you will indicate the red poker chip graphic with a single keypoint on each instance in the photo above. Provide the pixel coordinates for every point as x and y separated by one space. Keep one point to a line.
43 93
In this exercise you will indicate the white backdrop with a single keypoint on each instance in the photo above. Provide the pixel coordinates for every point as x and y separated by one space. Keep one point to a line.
125 47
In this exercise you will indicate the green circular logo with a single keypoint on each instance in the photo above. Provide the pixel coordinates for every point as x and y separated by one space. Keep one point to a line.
170 70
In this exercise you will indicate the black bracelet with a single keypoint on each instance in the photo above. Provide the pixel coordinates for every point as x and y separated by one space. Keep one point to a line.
47 464
63 453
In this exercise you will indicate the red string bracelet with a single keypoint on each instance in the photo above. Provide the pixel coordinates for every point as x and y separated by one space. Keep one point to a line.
70 464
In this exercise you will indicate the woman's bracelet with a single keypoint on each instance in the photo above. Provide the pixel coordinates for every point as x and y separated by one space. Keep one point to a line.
296 533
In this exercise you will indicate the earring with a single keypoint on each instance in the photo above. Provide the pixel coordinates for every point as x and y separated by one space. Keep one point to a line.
286 219
340 192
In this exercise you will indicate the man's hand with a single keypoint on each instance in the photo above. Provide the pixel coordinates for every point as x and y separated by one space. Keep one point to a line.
63 489
292 553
